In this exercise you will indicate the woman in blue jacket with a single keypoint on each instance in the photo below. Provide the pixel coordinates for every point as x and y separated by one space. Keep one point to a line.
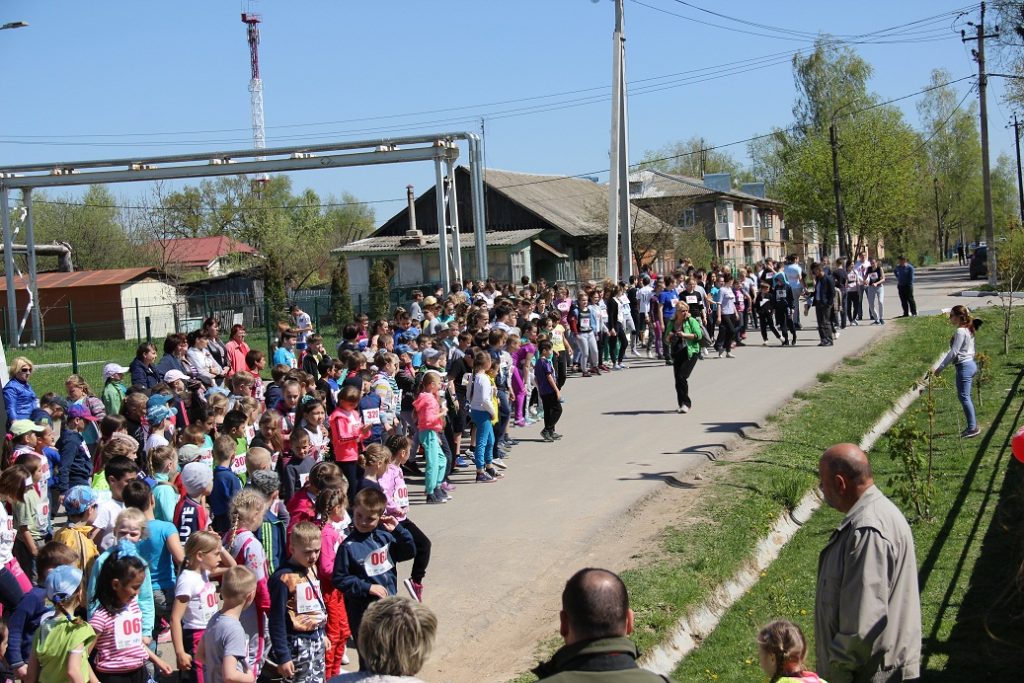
19 396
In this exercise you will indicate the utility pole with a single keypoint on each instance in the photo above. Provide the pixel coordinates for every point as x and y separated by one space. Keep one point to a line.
842 234
1020 183
938 220
986 180
618 181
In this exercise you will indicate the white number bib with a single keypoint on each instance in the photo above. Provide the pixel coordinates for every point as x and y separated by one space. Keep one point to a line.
307 598
238 464
691 299
43 518
207 602
303 478
378 561
127 630
371 416
402 497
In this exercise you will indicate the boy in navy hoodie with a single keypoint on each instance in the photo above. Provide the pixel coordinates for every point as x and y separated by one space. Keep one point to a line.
25 619
364 569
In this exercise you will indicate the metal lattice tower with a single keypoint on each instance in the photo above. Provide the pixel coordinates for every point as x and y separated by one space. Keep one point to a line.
259 140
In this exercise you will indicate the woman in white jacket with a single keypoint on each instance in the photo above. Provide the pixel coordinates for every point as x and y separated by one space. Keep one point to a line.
209 371
961 354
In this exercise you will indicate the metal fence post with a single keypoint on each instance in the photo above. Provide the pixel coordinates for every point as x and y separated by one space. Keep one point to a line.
138 321
266 325
206 304
316 313
74 338
149 330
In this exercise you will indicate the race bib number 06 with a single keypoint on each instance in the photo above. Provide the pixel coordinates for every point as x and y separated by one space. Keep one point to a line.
127 631
378 562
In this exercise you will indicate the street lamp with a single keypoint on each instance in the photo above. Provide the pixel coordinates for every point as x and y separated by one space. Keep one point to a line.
14 24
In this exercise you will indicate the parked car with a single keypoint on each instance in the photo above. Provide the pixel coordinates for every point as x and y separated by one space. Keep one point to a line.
978 265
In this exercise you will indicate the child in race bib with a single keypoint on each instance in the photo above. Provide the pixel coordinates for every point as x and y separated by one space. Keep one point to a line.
118 621
195 600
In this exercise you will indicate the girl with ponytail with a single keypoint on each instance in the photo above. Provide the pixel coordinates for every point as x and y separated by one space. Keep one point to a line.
781 650
961 354
246 514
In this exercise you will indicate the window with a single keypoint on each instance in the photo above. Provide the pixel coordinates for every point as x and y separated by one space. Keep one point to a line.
636 188
498 266
749 216
687 218
431 267
723 217
768 225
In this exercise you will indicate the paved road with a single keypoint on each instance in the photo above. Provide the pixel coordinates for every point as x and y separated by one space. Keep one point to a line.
501 551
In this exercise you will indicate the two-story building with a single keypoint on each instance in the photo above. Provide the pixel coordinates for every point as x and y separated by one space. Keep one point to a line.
742 225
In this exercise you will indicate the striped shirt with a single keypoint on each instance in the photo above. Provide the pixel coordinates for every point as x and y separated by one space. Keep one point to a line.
124 628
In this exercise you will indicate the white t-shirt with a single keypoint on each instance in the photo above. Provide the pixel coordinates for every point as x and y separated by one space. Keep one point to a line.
202 598
7 536
727 300
106 516
643 299
155 440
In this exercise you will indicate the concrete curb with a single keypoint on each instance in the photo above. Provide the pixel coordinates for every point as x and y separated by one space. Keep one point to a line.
700 621
976 293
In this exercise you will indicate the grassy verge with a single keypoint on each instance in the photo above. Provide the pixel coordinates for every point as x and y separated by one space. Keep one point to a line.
743 499
92 355
966 561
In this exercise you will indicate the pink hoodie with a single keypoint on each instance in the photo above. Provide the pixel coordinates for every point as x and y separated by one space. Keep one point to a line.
428 413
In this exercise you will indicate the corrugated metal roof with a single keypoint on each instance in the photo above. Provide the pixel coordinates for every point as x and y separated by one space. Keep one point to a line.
81 278
198 251
467 241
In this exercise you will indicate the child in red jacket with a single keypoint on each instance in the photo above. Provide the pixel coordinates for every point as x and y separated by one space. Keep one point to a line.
430 412
302 505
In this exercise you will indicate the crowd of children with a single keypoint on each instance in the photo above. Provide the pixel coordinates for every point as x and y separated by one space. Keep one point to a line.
250 522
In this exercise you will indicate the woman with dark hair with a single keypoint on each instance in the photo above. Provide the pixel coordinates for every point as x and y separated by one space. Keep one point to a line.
211 326
174 358
141 369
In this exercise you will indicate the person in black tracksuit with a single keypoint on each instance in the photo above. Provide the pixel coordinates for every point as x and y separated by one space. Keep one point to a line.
783 303
765 312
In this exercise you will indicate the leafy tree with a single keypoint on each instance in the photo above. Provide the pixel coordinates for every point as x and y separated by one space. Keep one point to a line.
683 157
380 289
91 225
341 300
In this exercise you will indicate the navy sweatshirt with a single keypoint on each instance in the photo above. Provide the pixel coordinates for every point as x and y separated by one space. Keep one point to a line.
23 624
75 461
282 584
350 566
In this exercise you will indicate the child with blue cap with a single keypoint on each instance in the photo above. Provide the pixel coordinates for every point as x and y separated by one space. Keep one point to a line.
60 649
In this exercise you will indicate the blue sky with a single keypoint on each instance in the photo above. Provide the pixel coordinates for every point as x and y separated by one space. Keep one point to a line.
118 78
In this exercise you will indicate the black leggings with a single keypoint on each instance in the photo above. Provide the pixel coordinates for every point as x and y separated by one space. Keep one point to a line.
785 322
422 559
726 333
561 366
617 355
353 473
682 366
765 318
137 676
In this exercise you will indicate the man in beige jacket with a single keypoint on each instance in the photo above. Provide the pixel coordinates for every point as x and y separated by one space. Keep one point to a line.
867 613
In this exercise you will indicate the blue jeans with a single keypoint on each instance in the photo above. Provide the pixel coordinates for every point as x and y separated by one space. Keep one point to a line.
504 413
483 454
964 377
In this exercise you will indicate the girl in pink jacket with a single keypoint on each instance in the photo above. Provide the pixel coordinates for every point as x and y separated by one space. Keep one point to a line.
430 412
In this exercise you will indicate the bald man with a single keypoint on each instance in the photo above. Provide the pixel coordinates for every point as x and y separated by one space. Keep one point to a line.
595 624
867 616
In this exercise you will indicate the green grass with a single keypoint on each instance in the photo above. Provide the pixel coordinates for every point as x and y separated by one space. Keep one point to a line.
92 355
966 561
745 498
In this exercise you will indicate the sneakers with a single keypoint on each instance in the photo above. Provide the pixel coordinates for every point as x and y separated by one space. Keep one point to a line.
555 435
684 409
461 462
446 487
728 354
546 435
679 409
500 462
970 433
484 478
495 474
433 499
344 658
415 590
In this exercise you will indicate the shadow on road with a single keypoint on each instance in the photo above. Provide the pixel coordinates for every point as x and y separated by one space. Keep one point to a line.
668 478
640 412
727 427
